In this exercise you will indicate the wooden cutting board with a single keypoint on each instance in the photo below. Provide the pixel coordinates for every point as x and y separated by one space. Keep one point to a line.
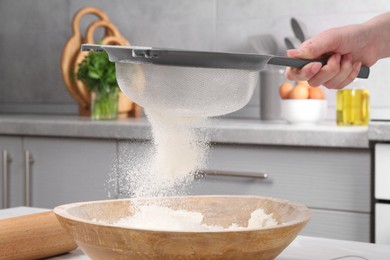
33 236
72 56
72 47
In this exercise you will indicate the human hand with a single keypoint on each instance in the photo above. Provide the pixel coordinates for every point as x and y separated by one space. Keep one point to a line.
347 47
338 72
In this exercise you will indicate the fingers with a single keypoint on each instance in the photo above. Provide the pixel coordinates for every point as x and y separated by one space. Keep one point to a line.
327 72
305 73
314 73
340 69
337 73
294 53
324 43
346 68
352 76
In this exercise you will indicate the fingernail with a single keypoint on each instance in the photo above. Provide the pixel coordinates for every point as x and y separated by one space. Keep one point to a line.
316 67
293 52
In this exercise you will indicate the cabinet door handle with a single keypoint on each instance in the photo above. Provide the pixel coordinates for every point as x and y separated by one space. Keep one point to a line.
6 160
258 175
28 160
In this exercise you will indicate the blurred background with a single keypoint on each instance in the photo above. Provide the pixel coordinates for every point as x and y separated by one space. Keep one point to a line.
34 32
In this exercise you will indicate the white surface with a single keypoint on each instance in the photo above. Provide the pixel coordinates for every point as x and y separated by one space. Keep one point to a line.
19 211
382 171
330 249
309 248
382 223
301 248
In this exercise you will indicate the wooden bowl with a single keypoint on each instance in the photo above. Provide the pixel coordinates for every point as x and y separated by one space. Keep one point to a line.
105 241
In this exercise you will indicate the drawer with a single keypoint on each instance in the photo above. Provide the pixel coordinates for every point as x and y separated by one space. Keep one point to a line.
319 178
382 171
382 223
339 225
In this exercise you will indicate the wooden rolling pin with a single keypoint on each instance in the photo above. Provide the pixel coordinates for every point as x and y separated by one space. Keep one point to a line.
33 236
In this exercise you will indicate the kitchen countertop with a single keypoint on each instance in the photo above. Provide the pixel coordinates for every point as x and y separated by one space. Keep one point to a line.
379 131
237 131
301 248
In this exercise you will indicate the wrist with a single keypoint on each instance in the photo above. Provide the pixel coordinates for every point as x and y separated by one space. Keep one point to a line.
378 36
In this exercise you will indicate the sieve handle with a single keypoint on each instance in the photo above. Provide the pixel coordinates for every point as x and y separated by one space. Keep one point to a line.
299 63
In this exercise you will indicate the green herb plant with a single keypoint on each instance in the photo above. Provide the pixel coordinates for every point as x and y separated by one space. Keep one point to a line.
98 73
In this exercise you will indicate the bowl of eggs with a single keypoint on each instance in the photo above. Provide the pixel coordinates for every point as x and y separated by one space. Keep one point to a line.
302 104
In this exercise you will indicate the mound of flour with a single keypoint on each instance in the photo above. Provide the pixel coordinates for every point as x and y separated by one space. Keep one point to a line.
163 218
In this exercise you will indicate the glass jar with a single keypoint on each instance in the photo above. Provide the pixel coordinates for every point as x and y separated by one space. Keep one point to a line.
104 105
353 105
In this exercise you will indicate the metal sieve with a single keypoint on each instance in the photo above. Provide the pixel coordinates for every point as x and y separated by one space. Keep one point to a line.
190 83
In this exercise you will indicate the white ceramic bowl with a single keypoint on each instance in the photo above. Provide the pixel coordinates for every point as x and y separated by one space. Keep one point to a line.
303 111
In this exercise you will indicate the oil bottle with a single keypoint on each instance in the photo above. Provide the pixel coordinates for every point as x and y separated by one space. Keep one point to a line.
353 105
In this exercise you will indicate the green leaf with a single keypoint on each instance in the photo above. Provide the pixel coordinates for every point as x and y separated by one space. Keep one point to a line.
93 75
98 73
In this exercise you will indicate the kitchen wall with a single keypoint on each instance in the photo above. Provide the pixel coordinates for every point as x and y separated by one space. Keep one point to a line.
33 33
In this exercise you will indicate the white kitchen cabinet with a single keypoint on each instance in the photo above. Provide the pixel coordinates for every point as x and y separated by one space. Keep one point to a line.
344 225
382 192
337 179
46 172
382 223
382 171
335 183
70 170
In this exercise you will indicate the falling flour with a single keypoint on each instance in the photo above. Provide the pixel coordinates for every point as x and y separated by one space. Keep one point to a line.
177 153
179 150
153 217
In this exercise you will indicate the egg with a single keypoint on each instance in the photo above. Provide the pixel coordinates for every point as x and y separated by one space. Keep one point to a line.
299 92
285 89
316 93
